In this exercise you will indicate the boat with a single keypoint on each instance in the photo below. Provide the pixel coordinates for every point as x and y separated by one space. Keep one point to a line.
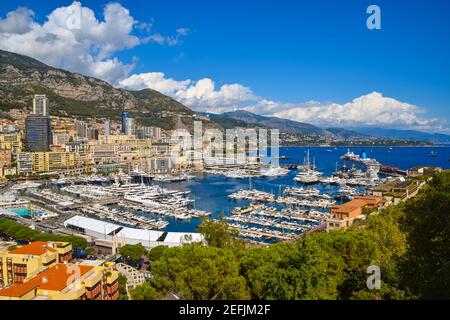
273 171
433 154
26 185
308 173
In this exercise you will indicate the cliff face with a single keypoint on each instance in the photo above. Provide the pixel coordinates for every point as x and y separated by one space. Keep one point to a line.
73 94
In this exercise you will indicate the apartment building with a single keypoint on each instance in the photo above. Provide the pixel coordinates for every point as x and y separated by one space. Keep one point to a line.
343 215
54 161
11 141
68 282
26 262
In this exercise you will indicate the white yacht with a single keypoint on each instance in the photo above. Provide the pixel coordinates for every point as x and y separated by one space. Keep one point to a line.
26 185
273 171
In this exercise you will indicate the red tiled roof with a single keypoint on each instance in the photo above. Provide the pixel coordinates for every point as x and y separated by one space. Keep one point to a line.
56 278
36 248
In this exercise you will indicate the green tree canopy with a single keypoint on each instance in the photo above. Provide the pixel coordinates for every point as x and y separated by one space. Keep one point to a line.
133 251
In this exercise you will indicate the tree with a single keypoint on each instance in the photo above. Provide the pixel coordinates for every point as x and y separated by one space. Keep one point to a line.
122 287
156 253
145 292
200 273
426 221
135 252
219 234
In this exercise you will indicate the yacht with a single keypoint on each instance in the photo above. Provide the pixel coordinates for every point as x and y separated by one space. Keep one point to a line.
308 177
273 171
26 185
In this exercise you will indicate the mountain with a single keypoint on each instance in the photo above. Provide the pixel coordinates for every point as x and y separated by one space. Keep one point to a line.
284 125
345 135
72 94
405 134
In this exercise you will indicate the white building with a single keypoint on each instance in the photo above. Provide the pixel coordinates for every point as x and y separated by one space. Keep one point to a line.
106 231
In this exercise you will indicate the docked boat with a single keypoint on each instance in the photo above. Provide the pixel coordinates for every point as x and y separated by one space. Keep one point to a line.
26 185
273 171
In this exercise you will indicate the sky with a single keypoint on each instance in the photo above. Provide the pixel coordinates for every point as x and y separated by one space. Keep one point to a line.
309 61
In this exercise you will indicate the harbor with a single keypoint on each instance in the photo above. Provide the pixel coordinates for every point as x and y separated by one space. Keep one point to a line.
264 203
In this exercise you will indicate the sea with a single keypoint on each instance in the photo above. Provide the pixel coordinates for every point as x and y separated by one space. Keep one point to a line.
210 192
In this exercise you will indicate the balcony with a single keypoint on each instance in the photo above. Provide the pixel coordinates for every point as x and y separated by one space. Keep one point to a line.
20 269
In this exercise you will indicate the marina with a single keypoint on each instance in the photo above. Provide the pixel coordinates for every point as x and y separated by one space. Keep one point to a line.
135 199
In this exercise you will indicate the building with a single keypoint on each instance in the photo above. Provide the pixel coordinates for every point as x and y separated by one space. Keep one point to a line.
423 171
129 127
53 161
5 157
8 171
107 127
159 164
40 105
81 128
125 115
153 133
24 263
68 282
109 232
24 163
60 138
79 146
92 133
38 133
11 141
397 190
343 215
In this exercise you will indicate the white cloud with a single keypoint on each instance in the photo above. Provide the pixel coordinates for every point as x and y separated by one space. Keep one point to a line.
372 109
201 95
155 81
17 22
74 39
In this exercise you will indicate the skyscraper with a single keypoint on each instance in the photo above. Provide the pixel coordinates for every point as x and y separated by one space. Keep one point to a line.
40 105
38 127
129 126
38 133
107 127
125 115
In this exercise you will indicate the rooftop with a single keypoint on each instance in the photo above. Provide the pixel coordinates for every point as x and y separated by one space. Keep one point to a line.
55 278
36 248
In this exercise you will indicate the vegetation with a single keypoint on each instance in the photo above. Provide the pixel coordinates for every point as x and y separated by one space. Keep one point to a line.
20 232
133 252
409 242
122 287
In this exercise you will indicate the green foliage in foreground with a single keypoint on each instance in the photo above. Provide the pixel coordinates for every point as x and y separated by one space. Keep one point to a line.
133 251
18 231
122 287
409 242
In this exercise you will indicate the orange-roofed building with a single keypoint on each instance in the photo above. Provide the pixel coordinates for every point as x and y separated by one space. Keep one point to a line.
343 215
25 262
67 282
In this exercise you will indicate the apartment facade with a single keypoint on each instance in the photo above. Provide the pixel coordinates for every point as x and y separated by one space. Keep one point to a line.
68 282
343 215
24 263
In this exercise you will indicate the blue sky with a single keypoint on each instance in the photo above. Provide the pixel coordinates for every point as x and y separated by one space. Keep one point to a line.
291 52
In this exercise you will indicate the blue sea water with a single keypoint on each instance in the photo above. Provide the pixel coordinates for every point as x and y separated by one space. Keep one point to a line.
211 192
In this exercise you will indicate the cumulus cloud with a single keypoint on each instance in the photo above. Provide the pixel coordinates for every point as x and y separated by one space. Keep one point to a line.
372 109
17 22
155 81
201 95
73 38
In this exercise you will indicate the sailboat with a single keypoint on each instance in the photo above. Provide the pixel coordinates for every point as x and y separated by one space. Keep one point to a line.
433 154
